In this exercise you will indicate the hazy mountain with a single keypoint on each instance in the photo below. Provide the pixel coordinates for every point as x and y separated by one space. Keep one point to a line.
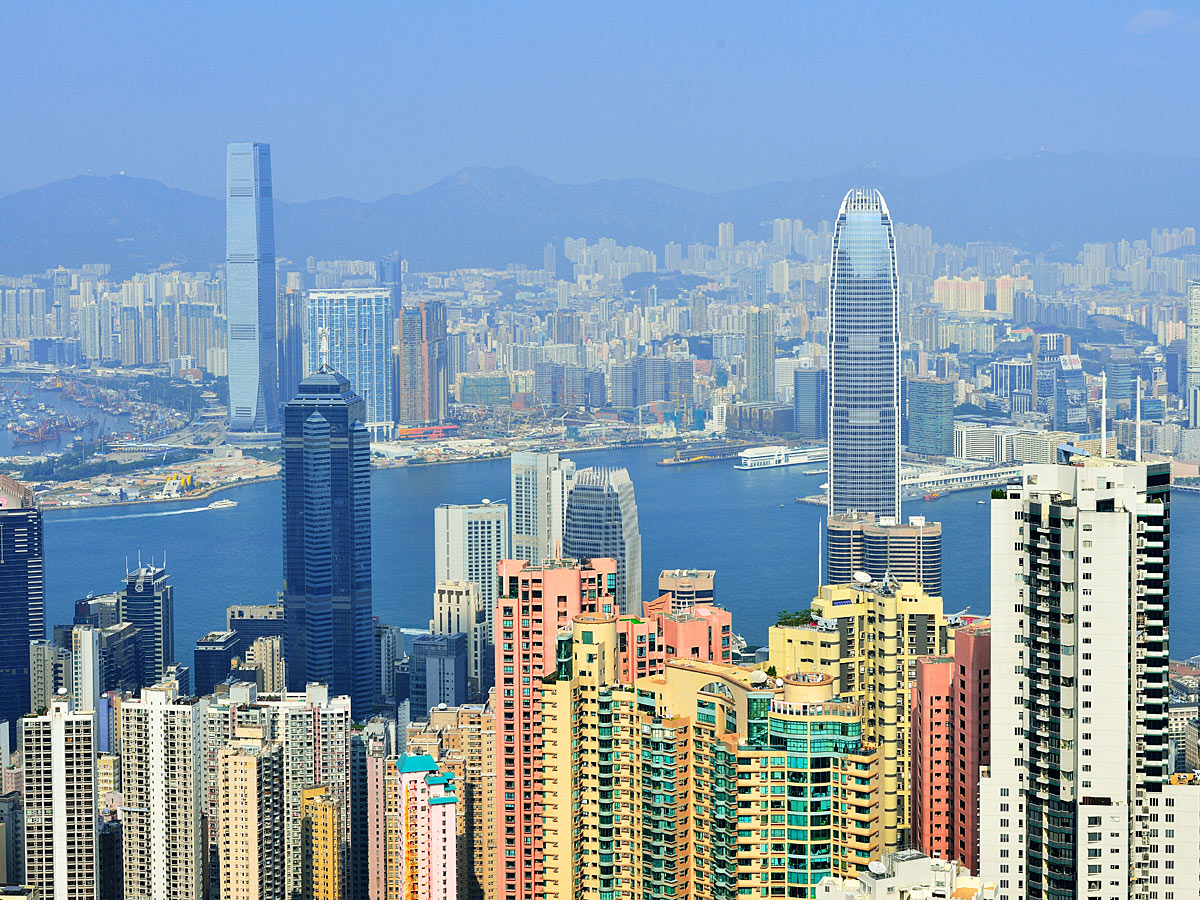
1043 202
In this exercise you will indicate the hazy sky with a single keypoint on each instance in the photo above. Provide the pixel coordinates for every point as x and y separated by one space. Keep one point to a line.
363 100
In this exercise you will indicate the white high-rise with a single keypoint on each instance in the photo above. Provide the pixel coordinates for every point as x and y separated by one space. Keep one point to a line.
161 734
468 540
59 753
1070 804
1191 391
541 483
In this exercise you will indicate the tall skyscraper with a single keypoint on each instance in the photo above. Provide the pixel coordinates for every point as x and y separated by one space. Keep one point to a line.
351 331
1191 392
148 603
810 403
1070 395
327 539
864 360
250 289
1080 581
422 390
760 354
58 748
468 540
291 318
602 523
931 417
437 672
22 596
160 782
541 483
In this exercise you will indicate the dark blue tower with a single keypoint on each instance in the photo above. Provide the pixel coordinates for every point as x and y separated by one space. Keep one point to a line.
327 540
22 596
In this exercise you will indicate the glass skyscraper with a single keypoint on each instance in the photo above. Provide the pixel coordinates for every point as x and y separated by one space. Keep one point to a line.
351 331
22 596
327 540
250 289
864 360
602 523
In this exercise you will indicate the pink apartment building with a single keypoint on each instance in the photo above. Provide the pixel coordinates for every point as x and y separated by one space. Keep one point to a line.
423 862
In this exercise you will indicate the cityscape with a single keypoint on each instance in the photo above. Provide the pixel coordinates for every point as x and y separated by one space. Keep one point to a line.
823 554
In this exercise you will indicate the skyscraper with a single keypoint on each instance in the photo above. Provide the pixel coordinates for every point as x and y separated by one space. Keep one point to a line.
931 417
327 539
760 354
1191 392
810 403
291 319
883 548
248 819
602 523
250 289
22 596
540 485
148 603
468 540
351 332
1070 395
422 391
1080 583
864 360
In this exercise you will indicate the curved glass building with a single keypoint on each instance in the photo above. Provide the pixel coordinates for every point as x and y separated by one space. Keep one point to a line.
864 360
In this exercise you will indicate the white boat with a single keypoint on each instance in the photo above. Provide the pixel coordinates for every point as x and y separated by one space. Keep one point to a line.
774 457
222 504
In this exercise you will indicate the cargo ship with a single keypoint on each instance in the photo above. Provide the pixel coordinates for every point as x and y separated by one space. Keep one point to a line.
774 457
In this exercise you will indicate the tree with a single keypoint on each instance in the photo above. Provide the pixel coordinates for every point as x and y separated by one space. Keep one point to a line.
794 619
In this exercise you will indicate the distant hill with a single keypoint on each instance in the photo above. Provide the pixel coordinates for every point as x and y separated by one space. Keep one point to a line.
491 216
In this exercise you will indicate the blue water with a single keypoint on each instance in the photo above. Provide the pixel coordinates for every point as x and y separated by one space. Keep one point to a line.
743 524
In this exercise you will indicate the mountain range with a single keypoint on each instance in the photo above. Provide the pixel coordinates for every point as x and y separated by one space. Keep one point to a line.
1043 202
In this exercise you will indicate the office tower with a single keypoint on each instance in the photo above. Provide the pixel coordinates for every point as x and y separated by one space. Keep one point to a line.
321 816
351 332
1191 379
103 660
686 587
644 775
160 782
1009 375
22 596
98 611
810 403
468 541
422 853
950 732
602 523
462 741
882 547
250 289
327 539
252 621
312 729
50 670
760 354
577 588
1079 753
437 673
699 310
422 389
58 749
1070 395
214 658
930 417
864 360
291 318
248 819
148 603
541 483
457 608
868 636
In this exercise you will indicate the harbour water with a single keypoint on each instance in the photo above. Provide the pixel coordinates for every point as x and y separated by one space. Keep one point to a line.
744 524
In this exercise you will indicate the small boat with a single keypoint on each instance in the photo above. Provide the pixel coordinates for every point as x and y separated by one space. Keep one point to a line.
222 504
781 506
981 502
931 496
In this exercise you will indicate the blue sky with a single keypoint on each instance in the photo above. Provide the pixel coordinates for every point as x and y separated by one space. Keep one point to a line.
364 100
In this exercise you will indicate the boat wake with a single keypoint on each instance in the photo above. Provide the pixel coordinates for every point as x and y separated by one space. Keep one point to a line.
148 515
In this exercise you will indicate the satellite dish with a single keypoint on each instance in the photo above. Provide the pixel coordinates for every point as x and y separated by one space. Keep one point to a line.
875 866
862 578
778 682
486 501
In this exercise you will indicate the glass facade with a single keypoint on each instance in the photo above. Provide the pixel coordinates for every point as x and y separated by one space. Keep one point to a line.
351 332
22 607
327 540
250 289
864 360
601 523
930 417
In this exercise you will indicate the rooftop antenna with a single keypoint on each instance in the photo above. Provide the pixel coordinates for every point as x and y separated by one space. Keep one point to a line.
1103 414
1137 402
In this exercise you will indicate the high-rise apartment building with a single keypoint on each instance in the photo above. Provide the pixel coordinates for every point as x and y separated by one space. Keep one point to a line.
250 289
457 608
930 417
602 522
247 824
351 332
58 750
883 547
422 389
541 483
422 853
102 660
327 539
1191 385
50 670
22 596
868 636
322 832
1070 805
864 360
148 604
535 602
160 783
760 354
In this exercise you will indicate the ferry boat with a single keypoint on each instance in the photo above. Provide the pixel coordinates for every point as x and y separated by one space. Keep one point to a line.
222 504
774 457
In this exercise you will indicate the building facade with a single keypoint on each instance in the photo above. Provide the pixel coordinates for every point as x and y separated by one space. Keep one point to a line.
882 546
22 597
540 485
422 389
601 522
422 833
760 354
930 417
148 603
248 822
